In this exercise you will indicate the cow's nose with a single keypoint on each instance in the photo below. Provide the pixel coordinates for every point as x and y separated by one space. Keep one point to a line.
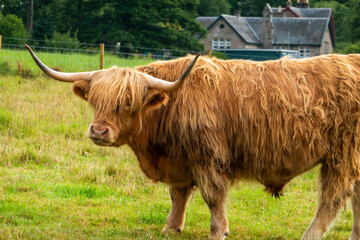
98 132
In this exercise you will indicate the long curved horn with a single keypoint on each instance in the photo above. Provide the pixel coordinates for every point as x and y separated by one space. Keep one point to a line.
64 77
170 86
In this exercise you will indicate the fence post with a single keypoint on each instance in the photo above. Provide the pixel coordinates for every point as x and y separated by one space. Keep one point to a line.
101 56
208 53
0 44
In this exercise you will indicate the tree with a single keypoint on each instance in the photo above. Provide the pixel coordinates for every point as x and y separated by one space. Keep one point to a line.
150 23
353 24
146 23
15 7
12 27
213 7
44 24
29 21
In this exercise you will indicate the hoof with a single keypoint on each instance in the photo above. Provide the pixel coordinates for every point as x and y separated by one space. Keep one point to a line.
217 237
167 229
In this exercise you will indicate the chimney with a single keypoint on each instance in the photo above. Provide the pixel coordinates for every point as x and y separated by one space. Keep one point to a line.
278 13
303 4
237 13
267 28
289 3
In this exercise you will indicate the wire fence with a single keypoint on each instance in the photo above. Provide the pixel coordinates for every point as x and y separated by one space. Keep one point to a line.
91 48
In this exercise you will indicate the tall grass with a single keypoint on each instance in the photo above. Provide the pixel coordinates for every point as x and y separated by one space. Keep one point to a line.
56 184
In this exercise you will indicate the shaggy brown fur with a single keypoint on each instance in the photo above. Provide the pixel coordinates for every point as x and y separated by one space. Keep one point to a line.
265 121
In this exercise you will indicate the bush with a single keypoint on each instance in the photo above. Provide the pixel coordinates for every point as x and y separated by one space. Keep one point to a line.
12 27
219 55
351 48
63 40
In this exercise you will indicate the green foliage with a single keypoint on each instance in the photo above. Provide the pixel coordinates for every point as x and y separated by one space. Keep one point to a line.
353 24
16 7
64 40
133 23
155 24
219 55
12 27
340 46
44 24
213 7
350 48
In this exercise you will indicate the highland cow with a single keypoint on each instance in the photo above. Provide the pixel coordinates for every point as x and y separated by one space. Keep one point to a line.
223 121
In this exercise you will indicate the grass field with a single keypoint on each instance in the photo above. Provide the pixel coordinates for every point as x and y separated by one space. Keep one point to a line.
56 184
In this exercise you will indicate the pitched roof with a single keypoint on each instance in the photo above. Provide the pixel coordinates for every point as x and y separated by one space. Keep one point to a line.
309 28
239 25
242 27
294 31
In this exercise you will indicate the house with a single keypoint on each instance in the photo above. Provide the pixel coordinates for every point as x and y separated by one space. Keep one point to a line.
310 31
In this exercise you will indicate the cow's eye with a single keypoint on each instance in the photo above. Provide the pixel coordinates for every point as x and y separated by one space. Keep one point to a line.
127 103
117 110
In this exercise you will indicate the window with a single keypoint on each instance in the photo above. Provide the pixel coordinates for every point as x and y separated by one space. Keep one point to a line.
221 43
301 52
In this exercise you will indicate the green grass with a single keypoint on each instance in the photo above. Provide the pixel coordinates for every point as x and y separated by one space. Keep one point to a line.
56 184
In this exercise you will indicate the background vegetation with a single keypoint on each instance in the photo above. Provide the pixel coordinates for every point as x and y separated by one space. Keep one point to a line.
56 184
153 23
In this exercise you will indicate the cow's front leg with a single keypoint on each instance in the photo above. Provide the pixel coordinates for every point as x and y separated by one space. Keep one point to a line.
219 228
180 198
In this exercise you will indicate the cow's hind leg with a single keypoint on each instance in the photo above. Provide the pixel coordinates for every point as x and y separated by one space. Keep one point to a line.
355 235
176 218
334 192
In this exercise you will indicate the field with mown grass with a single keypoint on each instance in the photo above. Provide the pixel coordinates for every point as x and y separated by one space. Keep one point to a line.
56 184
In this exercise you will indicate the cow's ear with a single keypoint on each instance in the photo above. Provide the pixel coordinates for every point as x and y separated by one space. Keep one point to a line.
81 88
154 98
